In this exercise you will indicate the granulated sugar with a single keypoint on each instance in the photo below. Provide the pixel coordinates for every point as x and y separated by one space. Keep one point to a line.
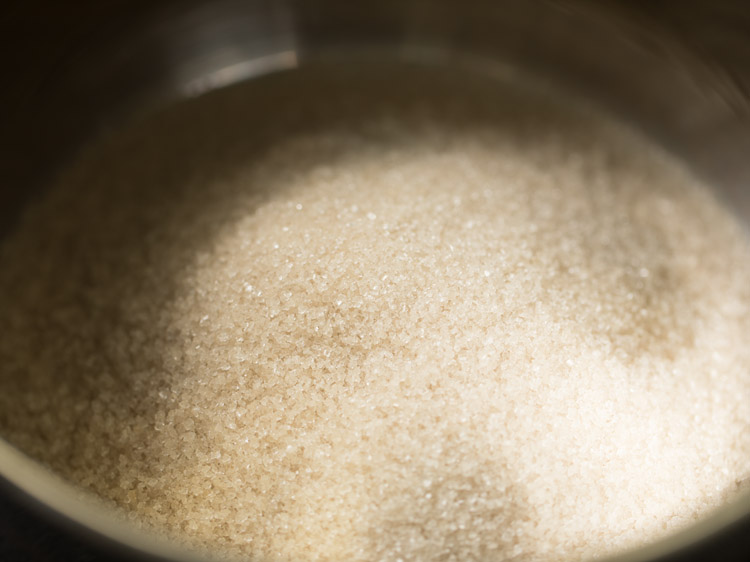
314 318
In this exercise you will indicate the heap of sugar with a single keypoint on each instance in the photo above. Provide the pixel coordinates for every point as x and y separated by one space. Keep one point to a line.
317 317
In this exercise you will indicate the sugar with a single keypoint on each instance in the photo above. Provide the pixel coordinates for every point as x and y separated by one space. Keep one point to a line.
454 320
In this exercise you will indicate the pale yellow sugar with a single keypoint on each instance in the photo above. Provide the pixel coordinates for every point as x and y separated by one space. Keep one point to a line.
319 317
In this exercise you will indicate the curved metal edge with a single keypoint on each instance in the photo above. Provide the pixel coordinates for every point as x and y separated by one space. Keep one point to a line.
30 484
61 502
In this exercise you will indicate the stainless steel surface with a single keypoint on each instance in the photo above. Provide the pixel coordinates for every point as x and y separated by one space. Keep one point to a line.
679 70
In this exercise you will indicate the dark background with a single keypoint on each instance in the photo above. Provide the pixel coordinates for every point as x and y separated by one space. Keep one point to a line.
45 34
27 537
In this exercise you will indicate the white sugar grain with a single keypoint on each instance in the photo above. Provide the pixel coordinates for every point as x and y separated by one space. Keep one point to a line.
312 318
